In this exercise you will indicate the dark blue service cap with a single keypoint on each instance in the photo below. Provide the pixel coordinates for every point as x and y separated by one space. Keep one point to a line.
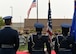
38 25
65 25
7 17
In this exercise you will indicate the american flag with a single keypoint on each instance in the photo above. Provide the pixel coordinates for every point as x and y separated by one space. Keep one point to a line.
49 26
32 6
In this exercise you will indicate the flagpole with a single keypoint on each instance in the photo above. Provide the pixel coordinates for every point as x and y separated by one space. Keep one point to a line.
37 10
49 1
11 10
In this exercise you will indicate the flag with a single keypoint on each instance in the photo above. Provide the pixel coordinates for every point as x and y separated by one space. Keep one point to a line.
32 6
49 26
73 27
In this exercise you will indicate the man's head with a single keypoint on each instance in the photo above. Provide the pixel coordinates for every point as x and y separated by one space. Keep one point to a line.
39 27
7 20
65 29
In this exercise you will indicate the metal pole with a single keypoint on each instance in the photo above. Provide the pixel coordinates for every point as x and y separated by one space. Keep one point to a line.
20 23
11 11
49 0
37 10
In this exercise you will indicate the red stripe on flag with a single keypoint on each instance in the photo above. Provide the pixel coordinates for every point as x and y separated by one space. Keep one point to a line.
50 32
32 6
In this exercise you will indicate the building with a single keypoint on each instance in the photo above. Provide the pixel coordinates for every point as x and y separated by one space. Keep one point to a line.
18 26
29 23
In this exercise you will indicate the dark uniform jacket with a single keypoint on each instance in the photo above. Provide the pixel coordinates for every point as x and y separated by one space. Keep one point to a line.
9 37
57 42
38 43
63 42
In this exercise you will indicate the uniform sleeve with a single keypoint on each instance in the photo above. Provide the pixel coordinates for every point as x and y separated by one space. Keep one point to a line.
48 45
54 39
56 46
17 41
29 44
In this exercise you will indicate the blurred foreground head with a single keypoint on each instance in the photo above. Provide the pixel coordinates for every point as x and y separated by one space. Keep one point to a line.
7 20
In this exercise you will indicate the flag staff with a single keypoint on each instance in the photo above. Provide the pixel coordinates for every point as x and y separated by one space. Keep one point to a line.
49 1
11 10
49 4
37 10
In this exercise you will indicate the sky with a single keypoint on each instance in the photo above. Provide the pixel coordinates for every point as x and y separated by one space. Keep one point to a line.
18 8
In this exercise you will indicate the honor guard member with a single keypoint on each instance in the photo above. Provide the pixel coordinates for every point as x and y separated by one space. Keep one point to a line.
63 43
9 38
36 41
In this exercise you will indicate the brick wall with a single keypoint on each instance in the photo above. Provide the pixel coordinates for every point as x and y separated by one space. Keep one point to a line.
29 23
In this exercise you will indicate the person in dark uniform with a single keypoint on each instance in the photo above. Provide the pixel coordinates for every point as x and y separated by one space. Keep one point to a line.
63 44
36 41
9 38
